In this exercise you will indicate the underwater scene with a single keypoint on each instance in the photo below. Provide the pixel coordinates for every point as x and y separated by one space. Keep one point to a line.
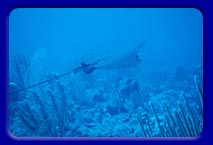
105 72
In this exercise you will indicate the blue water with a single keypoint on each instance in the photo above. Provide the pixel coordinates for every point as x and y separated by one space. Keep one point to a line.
110 88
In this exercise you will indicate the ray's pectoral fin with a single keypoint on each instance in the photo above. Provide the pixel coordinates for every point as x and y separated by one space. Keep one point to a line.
86 68
138 58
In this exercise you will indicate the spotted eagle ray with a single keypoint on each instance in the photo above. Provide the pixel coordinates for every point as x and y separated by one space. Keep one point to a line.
127 60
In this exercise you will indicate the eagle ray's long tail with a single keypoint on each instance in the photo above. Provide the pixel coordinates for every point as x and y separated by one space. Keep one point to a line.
97 64
40 83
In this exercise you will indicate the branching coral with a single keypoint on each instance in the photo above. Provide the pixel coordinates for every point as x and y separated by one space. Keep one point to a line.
30 113
186 121
95 106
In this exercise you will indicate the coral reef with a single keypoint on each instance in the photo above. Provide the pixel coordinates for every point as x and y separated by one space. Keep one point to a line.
100 105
